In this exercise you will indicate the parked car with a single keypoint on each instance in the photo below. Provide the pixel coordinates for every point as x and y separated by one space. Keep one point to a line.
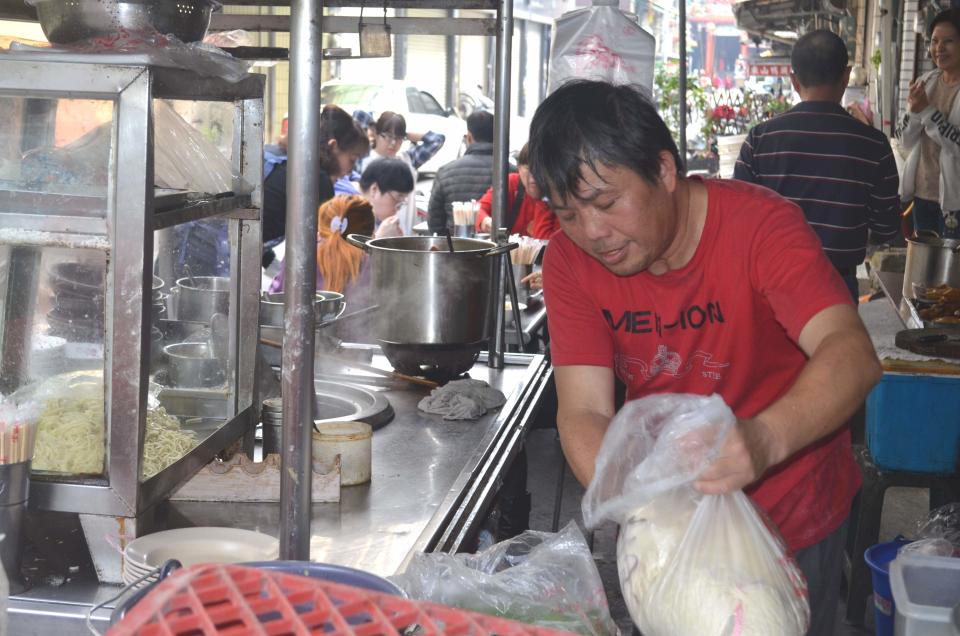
421 110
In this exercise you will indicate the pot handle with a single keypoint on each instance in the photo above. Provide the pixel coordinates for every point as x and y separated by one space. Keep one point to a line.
501 249
359 240
930 234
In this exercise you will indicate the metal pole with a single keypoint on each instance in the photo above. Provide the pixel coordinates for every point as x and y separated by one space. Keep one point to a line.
501 145
303 172
683 82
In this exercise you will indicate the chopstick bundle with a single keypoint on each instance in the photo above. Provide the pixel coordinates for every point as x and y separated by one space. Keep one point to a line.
18 432
465 212
528 250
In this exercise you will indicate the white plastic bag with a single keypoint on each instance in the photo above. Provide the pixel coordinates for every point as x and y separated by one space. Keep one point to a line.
601 43
689 563
540 578
183 158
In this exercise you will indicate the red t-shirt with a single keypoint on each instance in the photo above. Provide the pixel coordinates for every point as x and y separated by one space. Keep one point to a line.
725 323
534 218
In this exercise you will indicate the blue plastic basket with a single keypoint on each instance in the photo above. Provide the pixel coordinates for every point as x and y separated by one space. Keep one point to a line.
913 423
878 558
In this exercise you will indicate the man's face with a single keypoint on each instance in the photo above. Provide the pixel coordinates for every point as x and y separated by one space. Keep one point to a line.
620 219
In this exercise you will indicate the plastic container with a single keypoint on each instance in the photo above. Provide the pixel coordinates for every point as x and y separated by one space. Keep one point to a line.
913 423
878 558
351 441
926 589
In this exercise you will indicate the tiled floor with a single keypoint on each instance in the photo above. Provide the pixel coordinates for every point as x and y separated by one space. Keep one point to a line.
904 507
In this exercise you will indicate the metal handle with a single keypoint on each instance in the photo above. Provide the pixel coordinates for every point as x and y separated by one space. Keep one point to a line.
931 234
359 240
501 249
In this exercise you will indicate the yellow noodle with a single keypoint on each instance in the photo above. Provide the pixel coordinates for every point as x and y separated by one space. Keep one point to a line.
70 438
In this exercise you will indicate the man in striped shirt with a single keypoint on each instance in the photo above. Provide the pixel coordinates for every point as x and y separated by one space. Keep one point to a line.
840 171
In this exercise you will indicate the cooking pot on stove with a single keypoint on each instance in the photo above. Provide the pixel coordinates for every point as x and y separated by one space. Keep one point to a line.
428 294
931 261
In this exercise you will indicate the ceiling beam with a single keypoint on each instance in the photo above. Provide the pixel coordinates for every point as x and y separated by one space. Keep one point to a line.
350 24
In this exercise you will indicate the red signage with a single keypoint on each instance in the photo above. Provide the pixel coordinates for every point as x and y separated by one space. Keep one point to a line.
769 70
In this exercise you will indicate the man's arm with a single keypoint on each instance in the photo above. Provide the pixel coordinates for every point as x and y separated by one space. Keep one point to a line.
883 209
584 411
744 170
841 370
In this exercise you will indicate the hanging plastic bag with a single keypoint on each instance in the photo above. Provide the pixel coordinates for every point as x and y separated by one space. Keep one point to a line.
689 563
938 534
601 43
540 578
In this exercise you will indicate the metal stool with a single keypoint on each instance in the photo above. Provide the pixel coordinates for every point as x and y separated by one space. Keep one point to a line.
865 527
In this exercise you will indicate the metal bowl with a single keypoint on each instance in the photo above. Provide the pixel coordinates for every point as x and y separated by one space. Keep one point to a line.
327 306
191 364
68 21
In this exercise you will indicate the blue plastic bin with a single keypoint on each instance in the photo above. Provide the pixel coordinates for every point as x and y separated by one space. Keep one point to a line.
913 423
878 558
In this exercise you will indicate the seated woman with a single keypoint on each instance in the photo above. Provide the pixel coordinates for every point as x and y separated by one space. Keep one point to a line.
387 134
387 183
526 214
341 267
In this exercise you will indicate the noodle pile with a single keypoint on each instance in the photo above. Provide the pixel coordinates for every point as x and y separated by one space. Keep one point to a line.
70 438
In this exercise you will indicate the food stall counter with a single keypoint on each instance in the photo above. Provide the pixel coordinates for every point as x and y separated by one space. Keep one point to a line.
432 482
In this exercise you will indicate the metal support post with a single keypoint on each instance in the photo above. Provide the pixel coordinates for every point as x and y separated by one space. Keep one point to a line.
501 146
300 274
682 141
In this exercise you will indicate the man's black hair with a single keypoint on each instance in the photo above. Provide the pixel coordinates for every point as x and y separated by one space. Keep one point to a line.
948 16
586 123
480 126
819 58
390 175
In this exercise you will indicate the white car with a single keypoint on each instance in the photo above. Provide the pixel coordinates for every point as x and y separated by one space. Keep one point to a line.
421 110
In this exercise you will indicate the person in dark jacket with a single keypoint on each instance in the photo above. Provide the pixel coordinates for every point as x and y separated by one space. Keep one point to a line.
468 177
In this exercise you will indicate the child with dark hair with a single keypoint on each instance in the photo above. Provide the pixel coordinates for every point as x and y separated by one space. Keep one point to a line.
387 184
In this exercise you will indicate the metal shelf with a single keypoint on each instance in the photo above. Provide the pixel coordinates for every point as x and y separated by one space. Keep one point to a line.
201 209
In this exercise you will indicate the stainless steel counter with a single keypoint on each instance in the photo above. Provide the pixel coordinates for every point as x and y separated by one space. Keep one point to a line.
432 483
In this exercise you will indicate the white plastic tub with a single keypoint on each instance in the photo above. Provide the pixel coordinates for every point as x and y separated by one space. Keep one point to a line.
925 591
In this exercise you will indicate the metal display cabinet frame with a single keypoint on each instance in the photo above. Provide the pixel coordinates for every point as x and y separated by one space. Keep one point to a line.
126 235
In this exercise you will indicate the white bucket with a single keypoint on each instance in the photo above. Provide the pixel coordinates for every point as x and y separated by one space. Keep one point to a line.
351 441
728 149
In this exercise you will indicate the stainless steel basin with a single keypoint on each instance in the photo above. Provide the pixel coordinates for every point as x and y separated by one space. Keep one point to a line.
333 401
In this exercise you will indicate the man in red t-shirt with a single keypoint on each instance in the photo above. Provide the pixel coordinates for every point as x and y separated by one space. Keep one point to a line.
677 285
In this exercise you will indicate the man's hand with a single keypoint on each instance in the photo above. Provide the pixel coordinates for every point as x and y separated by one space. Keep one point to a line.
749 450
917 99
486 224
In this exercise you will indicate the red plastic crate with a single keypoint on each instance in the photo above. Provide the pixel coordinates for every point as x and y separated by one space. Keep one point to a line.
232 600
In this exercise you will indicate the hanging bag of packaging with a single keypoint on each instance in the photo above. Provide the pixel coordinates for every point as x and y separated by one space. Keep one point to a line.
689 563
601 43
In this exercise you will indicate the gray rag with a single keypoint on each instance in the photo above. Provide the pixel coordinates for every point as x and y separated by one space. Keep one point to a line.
462 400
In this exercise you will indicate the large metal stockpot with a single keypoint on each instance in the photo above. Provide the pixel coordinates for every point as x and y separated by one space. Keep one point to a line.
931 261
428 294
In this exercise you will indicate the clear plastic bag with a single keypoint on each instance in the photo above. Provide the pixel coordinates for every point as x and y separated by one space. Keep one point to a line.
689 563
942 523
183 158
540 578
601 43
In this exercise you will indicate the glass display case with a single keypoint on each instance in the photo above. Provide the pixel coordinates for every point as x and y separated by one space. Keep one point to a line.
128 293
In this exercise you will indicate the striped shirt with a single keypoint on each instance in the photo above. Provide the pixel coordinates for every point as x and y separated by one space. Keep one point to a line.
840 171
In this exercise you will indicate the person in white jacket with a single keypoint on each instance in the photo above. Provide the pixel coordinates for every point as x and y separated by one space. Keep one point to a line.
930 131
